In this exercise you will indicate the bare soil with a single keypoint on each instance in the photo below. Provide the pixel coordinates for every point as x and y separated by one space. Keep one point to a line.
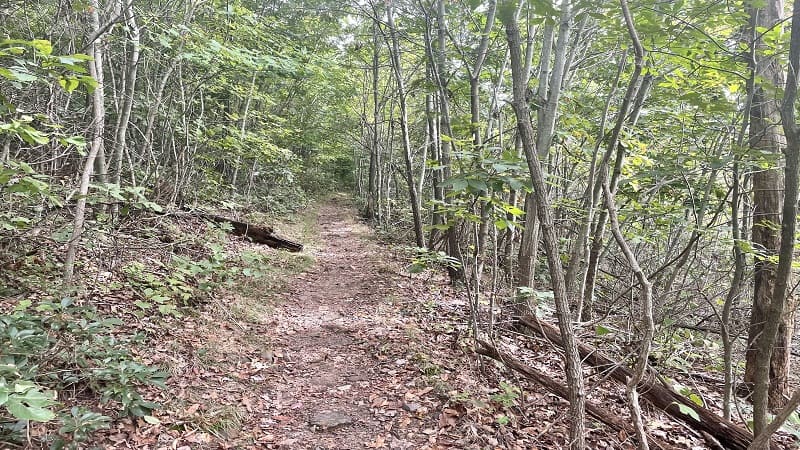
332 357
336 384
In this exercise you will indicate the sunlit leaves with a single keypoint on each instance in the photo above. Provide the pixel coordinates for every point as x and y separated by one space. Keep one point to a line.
25 62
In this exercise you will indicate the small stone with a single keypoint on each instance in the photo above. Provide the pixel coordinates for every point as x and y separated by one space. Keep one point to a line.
330 419
287 443
411 407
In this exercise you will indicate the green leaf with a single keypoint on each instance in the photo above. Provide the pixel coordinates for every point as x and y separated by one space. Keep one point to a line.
68 84
142 304
42 45
513 210
18 74
478 185
686 410
74 59
27 402
458 184
600 330
29 412
151 420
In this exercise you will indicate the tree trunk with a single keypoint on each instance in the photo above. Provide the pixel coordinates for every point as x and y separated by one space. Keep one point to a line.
243 130
453 245
97 43
529 247
769 350
120 134
373 195
401 93
580 247
640 367
477 139
572 360
638 92
768 196
96 148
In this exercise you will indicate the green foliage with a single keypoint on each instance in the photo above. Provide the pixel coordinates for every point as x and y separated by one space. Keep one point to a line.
425 259
32 61
602 330
21 186
25 400
78 426
508 396
52 347
128 196
541 301
685 410
185 282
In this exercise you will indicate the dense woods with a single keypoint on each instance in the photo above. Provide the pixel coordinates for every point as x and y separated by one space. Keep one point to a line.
626 170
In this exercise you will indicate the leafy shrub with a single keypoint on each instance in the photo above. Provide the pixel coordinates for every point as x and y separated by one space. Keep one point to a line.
187 282
425 259
51 347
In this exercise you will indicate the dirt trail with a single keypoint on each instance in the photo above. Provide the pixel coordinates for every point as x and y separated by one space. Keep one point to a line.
337 384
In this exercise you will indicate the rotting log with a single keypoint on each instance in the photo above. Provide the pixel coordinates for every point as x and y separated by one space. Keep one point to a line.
559 389
729 434
259 235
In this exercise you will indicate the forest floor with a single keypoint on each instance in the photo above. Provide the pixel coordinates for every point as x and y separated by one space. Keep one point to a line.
344 355
342 348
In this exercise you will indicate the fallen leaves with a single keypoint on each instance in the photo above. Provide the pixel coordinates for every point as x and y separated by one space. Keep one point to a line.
356 341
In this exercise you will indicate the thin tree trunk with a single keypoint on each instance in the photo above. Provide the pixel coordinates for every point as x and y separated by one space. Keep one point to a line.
147 143
373 196
97 44
646 287
120 134
98 114
529 247
739 262
635 94
571 357
580 247
453 245
401 93
477 140
243 129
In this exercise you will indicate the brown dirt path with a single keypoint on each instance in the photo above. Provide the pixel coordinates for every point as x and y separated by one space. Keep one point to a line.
337 384
348 354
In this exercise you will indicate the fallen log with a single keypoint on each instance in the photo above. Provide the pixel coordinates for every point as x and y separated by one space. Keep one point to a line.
559 389
259 235
729 434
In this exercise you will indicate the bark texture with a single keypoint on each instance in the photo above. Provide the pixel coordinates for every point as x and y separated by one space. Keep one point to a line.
766 137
